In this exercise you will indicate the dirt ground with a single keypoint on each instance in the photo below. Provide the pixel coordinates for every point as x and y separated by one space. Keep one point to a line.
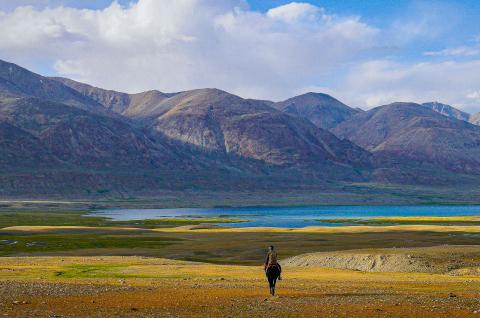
152 287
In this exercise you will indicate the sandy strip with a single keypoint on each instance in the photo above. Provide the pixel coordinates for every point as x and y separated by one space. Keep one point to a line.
308 229
332 229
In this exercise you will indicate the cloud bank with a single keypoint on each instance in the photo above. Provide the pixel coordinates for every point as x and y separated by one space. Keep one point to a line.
384 81
175 45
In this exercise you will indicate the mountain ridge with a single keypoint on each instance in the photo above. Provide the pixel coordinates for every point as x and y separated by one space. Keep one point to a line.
201 138
416 133
447 110
321 109
71 137
115 101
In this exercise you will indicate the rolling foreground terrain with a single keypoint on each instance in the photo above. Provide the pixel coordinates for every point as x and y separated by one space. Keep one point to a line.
63 264
63 139
142 287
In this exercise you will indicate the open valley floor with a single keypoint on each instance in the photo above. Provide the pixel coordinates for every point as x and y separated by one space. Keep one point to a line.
67 265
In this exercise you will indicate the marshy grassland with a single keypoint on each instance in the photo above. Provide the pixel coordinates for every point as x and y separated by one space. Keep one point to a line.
68 264
197 239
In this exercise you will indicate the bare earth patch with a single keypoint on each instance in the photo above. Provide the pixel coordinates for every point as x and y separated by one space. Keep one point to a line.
437 259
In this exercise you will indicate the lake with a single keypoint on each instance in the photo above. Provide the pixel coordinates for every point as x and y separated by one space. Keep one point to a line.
291 216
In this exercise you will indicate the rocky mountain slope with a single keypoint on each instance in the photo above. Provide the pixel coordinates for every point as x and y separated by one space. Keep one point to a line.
321 109
415 133
453 112
20 150
16 81
217 121
76 136
447 110
60 135
121 103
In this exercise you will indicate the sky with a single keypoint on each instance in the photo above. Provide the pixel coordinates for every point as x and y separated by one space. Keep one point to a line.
364 53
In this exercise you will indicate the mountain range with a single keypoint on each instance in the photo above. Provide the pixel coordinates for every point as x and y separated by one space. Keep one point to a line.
61 137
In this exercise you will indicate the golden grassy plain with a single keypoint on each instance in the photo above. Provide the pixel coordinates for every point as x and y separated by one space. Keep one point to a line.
199 271
152 287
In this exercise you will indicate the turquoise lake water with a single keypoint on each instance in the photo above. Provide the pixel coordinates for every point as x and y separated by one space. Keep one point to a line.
291 216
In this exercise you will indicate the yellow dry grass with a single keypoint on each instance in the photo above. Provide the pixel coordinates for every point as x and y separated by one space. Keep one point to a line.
138 287
142 269
307 229
439 219
332 229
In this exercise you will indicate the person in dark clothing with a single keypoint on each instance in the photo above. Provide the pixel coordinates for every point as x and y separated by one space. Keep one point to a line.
272 260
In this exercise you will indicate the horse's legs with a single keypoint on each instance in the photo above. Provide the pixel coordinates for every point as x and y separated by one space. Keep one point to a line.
270 282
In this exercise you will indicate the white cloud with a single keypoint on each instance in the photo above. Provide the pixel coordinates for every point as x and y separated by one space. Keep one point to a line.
295 11
457 51
381 82
175 45
474 96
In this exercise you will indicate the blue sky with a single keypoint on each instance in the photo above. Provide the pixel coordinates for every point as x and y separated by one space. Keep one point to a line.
461 16
365 53
457 22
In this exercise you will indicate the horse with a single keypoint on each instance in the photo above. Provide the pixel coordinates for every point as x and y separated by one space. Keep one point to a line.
272 272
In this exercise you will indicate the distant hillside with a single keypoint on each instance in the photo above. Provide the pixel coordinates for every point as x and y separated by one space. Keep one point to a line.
451 111
218 121
447 110
16 81
117 102
321 109
417 133
59 137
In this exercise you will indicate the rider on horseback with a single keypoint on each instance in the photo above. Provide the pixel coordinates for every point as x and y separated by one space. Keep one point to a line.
271 260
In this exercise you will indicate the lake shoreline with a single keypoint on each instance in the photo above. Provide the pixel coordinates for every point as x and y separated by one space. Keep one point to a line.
299 217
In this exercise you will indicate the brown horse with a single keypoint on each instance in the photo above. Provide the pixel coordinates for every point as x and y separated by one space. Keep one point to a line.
272 272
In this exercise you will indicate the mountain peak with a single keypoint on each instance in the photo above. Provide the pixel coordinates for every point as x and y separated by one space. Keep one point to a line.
118 102
447 110
18 81
321 109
